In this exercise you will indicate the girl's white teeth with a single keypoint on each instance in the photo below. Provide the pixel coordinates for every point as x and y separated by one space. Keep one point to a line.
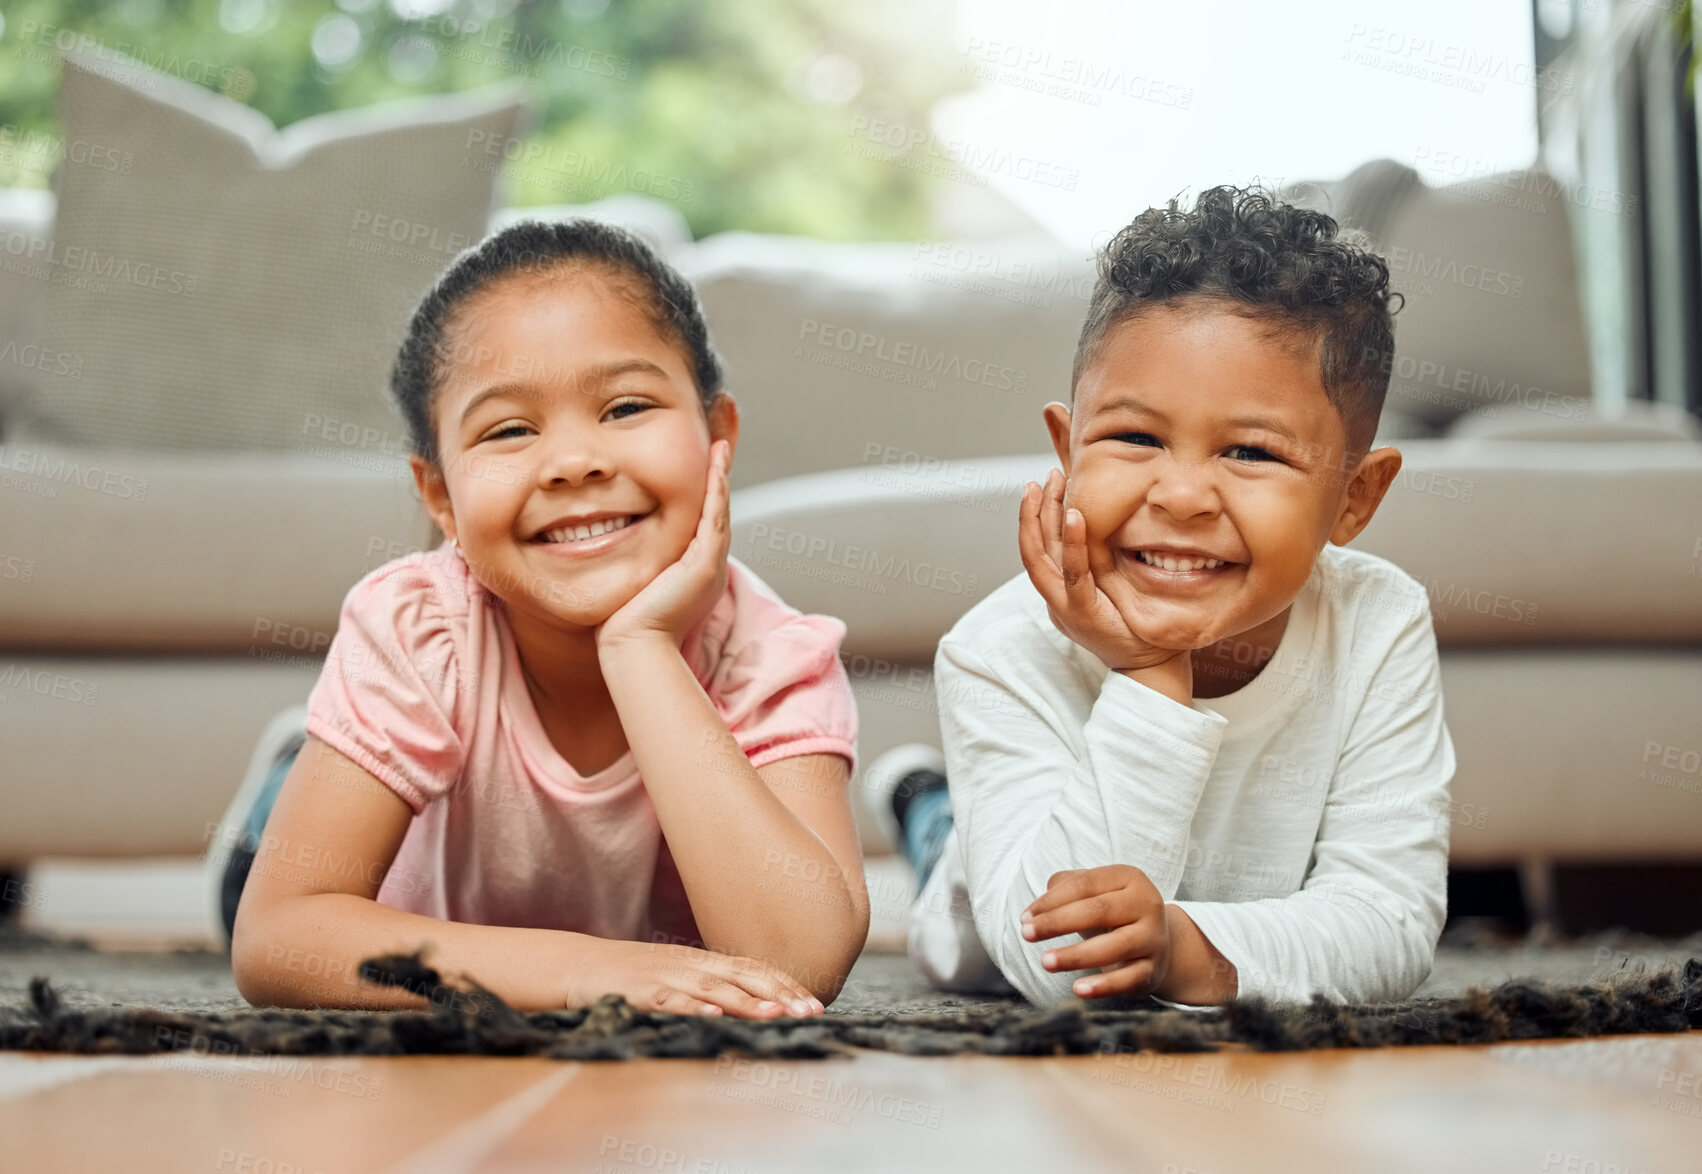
1170 563
589 530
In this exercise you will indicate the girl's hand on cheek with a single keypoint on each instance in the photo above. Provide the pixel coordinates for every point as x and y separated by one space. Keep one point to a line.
1053 542
670 605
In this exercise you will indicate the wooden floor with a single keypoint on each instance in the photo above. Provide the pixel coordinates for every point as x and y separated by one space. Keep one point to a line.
1619 1106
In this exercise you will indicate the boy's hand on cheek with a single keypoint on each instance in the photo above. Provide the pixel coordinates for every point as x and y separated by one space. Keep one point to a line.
1124 918
1053 542
671 604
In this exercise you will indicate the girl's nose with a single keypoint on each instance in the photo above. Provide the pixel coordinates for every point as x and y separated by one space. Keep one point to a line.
573 459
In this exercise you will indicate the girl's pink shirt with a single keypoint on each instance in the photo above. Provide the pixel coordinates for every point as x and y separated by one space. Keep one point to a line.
423 689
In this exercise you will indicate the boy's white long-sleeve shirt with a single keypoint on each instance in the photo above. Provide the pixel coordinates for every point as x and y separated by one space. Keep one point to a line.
1301 821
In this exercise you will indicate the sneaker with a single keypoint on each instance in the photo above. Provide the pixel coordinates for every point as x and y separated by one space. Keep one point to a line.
233 846
942 940
889 782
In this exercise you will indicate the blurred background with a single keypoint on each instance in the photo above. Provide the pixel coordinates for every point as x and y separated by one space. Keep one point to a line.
754 101
216 215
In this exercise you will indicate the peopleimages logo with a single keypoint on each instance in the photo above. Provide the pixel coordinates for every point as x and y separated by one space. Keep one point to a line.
67 471
19 145
407 232
863 346
1074 78
41 359
521 46
47 684
92 264
917 146
227 79
813 548
547 164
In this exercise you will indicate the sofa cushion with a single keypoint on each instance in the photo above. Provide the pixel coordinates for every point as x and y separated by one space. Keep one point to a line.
1533 542
1633 420
843 355
1491 314
248 554
236 286
1517 542
130 756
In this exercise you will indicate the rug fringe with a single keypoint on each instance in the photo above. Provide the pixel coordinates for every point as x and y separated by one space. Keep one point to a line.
472 1020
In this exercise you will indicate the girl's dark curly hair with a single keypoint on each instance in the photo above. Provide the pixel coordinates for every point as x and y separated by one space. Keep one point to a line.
534 247
1266 259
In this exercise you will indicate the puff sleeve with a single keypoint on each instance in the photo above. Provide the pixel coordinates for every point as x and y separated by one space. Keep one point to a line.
387 696
780 686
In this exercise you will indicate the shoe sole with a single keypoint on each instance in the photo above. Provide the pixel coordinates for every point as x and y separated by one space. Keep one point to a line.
283 730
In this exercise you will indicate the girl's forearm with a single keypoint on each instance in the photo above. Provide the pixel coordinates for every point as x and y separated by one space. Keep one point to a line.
306 951
761 883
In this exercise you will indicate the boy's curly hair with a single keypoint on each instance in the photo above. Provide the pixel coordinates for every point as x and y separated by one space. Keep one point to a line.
1269 260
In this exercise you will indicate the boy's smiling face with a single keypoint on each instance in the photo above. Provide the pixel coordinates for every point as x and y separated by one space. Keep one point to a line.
1196 430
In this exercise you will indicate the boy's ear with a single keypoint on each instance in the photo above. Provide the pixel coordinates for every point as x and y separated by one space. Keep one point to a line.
724 422
1376 471
434 494
1058 425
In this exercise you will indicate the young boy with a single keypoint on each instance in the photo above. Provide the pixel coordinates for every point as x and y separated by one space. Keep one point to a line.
1217 765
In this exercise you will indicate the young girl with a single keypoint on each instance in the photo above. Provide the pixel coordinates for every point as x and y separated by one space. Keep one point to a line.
575 750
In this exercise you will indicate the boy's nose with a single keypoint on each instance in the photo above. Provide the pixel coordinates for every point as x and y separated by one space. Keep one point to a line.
1183 490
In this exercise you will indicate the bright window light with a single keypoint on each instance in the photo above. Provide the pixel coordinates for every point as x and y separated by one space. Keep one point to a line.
1087 111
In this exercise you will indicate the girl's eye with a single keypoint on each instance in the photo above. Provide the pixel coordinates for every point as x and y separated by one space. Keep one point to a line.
505 432
627 408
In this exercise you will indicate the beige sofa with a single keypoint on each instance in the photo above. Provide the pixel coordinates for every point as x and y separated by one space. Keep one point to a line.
157 607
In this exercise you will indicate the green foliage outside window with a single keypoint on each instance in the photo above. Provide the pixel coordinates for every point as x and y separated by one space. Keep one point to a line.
752 114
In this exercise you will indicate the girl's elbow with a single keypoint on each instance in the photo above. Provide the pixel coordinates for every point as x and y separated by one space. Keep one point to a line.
259 961
253 975
829 983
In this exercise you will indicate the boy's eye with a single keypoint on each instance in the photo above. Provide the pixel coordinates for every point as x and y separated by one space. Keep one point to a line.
509 430
1241 452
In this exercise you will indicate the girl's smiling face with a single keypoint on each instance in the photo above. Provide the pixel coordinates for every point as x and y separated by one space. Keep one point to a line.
573 448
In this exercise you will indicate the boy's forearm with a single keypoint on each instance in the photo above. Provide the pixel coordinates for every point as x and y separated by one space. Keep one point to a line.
1199 975
306 951
726 828
1123 790
1174 678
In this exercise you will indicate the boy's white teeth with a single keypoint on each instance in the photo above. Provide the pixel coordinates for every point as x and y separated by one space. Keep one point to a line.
1172 563
589 530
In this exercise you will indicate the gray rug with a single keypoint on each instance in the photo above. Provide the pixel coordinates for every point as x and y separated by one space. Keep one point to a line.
182 1002
195 980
